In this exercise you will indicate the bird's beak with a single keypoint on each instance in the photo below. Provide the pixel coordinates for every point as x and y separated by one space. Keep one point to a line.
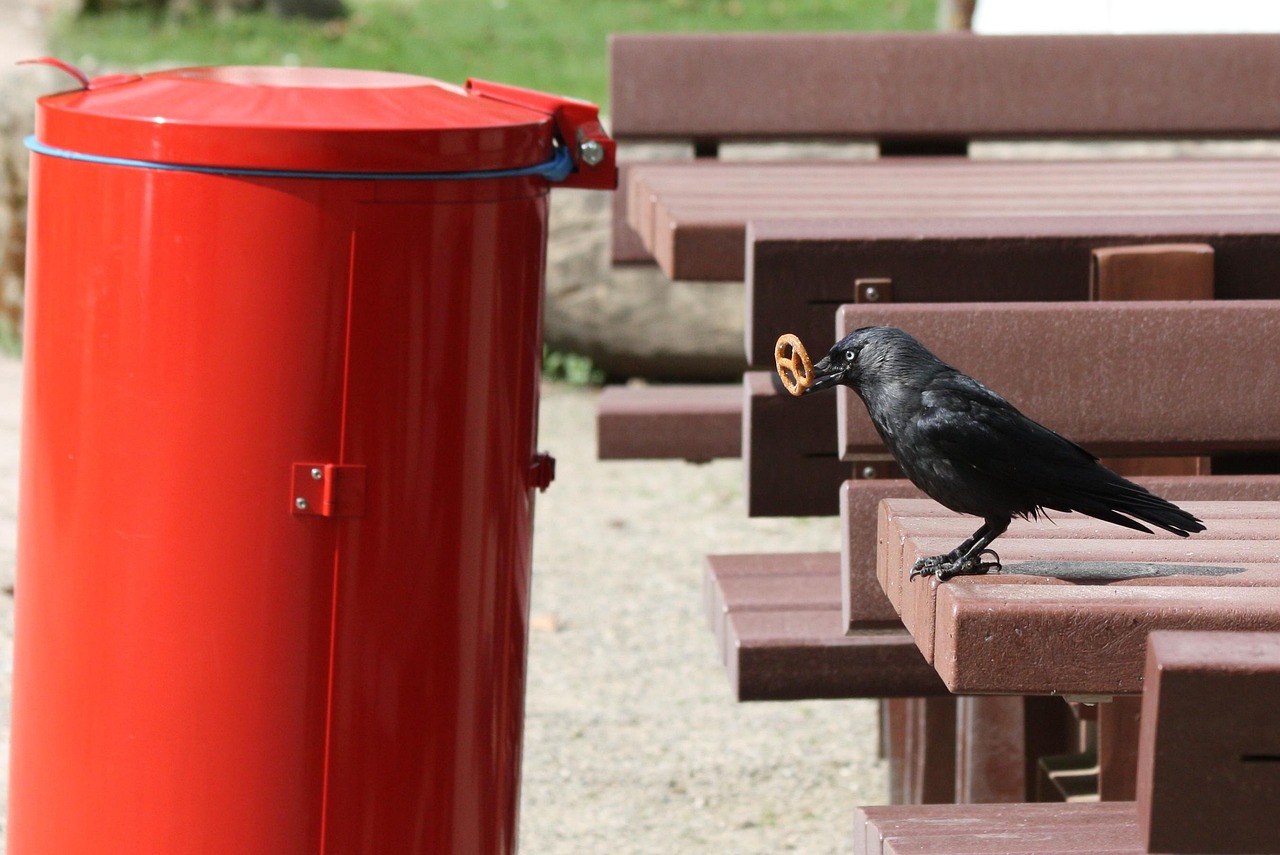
824 375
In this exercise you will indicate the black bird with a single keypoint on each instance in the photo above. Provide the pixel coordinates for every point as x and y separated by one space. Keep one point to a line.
974 452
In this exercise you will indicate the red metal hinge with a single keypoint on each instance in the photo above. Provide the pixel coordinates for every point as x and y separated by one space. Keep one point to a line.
577 123
328 490
542 471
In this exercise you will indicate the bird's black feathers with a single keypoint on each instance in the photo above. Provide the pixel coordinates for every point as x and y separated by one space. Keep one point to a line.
974 452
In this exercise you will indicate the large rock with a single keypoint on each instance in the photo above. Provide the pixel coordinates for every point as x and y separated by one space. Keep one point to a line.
633 321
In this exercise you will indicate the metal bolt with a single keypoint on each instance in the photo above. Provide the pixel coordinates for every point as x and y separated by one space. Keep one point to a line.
300 503
871 294
317 473
868 472
591 152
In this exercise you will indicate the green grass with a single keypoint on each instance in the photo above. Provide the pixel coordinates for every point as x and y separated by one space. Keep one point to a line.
554 45
572 368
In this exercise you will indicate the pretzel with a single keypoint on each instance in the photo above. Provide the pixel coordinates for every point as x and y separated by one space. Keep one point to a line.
793 363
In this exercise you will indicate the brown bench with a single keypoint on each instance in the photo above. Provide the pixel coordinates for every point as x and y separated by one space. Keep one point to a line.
936 91
1237 267
789 447
1069 615
1153 272
1208 771
931 93
806 625
767 610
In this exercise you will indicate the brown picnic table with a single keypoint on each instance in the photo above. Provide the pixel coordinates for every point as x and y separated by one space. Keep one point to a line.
810 236
1070 612
1069 615
1206 771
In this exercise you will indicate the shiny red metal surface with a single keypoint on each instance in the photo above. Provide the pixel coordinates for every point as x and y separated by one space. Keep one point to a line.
298 119
577 124
202 665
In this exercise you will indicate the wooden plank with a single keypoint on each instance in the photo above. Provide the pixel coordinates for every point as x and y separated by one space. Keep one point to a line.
1209 751
799 271
1182 271
1065 538
789 451
1118 748
625 245
1110 827
1156 271
865 603
647 69
782 656
921 749
800 581
688 422
1079 628
693 216
777 623
920 86
989 750
1145 377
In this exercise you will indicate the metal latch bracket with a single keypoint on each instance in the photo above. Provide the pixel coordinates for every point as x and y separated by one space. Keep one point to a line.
328 490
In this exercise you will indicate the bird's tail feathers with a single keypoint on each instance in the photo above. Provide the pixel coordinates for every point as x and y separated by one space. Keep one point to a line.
1115 497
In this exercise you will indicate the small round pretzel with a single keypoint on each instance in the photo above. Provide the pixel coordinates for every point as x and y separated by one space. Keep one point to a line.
793 363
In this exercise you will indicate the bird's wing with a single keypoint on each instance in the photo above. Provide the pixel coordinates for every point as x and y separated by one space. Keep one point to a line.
976 425
1018 457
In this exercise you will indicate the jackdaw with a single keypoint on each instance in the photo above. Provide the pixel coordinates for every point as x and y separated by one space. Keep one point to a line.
974 452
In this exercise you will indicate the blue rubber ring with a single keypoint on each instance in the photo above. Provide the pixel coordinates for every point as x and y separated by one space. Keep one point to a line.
557 168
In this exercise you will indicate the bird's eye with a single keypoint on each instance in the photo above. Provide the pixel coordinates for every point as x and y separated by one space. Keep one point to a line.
850 355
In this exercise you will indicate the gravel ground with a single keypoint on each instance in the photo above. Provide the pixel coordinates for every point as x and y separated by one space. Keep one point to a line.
633 741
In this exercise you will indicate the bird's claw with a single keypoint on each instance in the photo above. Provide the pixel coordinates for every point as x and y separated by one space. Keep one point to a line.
943 567
981 567
934 565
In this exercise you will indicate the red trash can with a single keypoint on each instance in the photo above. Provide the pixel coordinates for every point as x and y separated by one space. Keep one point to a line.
283 342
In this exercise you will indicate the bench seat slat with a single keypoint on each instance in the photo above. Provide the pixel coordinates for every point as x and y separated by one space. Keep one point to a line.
1068 828
686 422
778 628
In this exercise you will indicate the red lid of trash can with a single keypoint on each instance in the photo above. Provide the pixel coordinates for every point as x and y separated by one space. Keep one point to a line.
295 119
